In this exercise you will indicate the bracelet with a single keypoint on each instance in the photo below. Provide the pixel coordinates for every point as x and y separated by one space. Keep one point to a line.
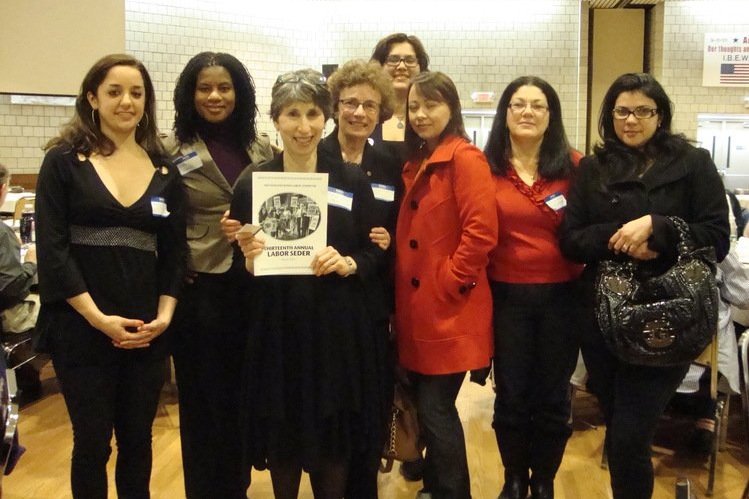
350 262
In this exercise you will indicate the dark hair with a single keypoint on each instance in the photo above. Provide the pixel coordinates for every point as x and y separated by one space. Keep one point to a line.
435 86
4 174
303 85
358 72
82 133
663 144
554 157
187 121
382 49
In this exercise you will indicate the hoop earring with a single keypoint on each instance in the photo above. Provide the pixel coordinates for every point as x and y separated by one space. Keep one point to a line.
145 116
93 116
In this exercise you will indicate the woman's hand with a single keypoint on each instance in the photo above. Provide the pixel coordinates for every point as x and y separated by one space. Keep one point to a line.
380 236
124 333
251 245
642 252
328 260
167 305
632 235
229 227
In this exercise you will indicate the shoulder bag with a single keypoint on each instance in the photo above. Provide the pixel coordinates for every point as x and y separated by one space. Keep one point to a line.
664 320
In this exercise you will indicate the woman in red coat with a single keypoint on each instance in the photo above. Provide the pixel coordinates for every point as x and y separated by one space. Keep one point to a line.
447 226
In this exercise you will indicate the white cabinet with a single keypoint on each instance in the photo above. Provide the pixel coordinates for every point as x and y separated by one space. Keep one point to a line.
478 123
726 136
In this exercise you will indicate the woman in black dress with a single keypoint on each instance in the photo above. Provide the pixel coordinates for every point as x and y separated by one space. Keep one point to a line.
111 243
311 394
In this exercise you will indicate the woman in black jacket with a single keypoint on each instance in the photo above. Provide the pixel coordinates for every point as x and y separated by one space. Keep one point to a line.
618 209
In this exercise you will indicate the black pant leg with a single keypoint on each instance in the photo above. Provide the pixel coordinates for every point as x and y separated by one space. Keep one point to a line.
138 390
208 347
89 393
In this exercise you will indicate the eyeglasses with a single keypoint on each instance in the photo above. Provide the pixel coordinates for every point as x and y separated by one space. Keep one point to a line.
640 112
351 105
409 60
520 107
295 77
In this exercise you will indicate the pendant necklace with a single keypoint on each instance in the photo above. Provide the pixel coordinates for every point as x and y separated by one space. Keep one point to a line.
401 126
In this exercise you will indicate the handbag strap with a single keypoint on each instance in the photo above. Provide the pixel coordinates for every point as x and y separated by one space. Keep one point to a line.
686 244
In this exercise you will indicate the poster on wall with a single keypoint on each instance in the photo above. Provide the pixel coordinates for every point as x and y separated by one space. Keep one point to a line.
726 60
292 211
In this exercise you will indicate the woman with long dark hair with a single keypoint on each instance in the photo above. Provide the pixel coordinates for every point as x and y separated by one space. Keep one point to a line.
618 208
214 140
111 242
533 287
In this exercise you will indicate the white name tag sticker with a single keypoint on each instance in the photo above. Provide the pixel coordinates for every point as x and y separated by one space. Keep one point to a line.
158 207
384 192
340 198
187 163
556 201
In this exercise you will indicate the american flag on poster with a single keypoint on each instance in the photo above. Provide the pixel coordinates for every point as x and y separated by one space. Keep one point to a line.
734 73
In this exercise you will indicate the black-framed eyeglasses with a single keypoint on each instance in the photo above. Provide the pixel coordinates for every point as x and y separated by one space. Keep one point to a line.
520 107
409 60
640 112
351 105
309 79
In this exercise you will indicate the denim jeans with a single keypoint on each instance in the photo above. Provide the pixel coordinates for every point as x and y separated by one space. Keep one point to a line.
122 397
633 399
445 463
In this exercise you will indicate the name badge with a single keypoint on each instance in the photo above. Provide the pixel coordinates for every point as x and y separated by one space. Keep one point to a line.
383 192
158 207
187 163
556 201
340 198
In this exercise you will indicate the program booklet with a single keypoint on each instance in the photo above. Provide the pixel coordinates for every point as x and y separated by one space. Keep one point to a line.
292 211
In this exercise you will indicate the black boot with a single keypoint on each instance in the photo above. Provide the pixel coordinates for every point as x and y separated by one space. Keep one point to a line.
516 485
514 449
542 488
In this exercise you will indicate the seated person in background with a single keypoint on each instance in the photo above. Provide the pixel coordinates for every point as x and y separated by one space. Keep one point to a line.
19 310
18 306
694 397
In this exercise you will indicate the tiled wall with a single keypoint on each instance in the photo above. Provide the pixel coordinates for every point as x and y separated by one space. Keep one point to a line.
482 45
684 27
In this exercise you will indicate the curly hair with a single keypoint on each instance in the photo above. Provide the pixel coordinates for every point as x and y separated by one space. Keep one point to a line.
359 72
554 157
382 49
187 121
82 133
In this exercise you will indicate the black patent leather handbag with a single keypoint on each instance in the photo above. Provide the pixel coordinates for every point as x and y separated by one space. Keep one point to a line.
661 320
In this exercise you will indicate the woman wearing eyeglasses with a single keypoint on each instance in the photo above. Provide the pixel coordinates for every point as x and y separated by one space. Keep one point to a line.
447 225
533 287
363 97
311 393
402 57
617 209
